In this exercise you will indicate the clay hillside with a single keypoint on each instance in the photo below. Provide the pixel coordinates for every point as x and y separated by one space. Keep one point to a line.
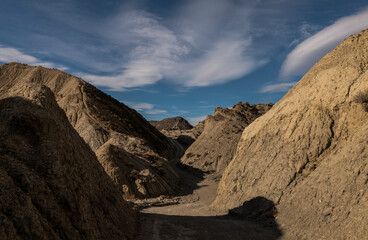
180 131
309 153
175 123
216 146
130 149
51 183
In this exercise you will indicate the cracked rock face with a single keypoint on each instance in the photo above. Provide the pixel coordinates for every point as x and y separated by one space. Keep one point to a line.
308 153
102 121
51 183
216 146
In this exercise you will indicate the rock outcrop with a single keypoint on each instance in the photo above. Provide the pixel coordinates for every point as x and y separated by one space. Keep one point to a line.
51 183
101 120
309 153
180 131
216 146
148 178
174 123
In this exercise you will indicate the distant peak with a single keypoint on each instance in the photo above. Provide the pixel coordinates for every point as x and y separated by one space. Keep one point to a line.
174 123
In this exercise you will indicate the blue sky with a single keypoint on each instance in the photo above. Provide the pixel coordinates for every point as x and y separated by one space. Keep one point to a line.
179 58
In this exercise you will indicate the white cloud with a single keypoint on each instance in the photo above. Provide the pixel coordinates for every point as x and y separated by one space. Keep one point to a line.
176 110
195 120
200 43
314 48
8 54
182 111
155 52
143 107
137 73
156 111
140 106
226 61
306 30
158 53
277 87
13 55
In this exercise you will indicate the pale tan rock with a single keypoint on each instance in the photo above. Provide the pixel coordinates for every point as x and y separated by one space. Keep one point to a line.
180 132
136 177
216 146
308 153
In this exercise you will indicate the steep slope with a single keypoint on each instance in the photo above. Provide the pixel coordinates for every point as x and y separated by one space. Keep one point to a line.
125 169
216 146
98 118
308 153
180 131
174 123
51 183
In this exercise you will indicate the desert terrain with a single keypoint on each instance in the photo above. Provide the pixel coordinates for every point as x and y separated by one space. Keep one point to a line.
77 164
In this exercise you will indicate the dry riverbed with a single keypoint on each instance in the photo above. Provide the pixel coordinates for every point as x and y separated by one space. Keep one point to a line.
189 217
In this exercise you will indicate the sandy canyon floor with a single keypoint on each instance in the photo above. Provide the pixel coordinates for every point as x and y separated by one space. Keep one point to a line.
189 217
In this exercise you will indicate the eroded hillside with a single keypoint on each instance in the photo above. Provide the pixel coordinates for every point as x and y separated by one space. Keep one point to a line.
105 123
216 146
51 183
308 153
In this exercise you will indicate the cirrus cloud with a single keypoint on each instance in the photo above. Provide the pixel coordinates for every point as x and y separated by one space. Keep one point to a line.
160 53
195 120
307 53
147 108
277 87
8 54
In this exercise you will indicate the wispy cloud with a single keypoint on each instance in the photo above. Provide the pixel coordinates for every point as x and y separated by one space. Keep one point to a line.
8 54
277 87
176 110
306 30
182 111
156 111
123 46
140 106
14 55
155 50
314 48
195 120
146 108
160 53
226 61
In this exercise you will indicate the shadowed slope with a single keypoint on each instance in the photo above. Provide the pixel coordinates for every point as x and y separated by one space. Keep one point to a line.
179 130
99 119
174 123
51 183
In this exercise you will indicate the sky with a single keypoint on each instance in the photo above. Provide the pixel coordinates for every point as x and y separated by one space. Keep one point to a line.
179 58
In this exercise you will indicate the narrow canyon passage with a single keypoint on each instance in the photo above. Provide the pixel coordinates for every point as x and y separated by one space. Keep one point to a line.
191 218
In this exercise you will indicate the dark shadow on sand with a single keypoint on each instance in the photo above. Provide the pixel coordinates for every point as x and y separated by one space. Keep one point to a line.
189 178
255 219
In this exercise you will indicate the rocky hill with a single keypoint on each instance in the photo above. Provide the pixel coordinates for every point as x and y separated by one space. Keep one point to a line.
51 183
216 146
308 154
179 131
174 123
103 121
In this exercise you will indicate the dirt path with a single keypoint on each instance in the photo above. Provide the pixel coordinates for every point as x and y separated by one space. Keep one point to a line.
191 218
195 204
